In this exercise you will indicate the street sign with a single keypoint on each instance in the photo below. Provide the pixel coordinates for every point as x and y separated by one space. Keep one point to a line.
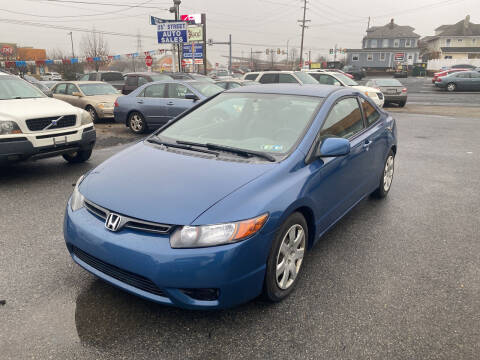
148 60
399 56
155 21
187 62
195 33
192 18
199 61
175 32
197 51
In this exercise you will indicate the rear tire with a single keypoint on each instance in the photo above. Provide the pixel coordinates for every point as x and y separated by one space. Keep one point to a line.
286 257
451 87
387 177
136 123
78 156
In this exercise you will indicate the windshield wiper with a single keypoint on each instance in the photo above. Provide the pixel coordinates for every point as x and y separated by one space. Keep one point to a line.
241 152
157 141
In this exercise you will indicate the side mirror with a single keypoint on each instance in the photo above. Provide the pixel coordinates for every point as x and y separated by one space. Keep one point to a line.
76 93
191 97
333 147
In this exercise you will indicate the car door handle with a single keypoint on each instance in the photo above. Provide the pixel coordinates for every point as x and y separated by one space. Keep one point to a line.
140 102
367 144
170 103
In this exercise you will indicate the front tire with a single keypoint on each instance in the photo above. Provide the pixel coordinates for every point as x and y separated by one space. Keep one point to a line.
136 123
286 258
451 87
93 113
78 156
387 177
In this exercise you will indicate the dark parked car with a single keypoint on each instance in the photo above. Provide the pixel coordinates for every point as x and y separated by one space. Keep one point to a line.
464 80
392 89
463 66
114 78
154 104
358 73
208 214
137 79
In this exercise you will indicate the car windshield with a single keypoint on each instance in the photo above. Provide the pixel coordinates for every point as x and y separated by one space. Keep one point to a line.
270 123
98 89
15 88
388 82
345 79
305 78
206 89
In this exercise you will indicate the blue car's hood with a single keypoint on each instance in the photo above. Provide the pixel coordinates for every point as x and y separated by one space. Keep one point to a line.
161 186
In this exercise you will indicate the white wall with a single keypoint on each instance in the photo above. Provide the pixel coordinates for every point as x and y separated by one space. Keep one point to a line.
437 64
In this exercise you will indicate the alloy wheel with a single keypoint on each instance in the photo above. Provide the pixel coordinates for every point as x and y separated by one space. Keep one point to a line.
136 123
388 173
290 256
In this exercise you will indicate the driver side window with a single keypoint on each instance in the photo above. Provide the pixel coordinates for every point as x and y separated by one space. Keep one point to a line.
328 80
178 91
60 89
344 120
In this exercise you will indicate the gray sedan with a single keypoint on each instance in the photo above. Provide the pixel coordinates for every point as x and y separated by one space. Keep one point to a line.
393 90
464 80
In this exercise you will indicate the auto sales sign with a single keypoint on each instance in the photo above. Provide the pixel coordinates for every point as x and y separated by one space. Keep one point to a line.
172 33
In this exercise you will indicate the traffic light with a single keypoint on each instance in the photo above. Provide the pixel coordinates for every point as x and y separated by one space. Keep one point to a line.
279 51
267 51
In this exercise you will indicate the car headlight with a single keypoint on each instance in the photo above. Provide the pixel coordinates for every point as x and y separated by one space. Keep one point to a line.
86 118
77 201
105 105
9 127
219 234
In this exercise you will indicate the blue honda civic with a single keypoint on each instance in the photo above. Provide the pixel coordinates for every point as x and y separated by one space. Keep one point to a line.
212 211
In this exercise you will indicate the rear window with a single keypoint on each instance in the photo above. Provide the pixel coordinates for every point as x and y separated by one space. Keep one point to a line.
251 76
388 82
112 76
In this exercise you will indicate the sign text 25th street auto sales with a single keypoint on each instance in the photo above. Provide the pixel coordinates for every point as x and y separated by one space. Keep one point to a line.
172 32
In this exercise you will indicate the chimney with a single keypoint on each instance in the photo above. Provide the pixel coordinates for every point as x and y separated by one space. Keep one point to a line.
466 22
391 24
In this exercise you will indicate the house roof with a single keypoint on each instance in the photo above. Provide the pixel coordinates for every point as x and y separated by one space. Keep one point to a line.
461 49
462 28
391 31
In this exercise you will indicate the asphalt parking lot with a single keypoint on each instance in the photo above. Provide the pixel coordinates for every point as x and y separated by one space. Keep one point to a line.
395 279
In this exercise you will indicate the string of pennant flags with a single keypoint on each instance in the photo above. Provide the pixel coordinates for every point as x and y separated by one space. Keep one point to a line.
78 60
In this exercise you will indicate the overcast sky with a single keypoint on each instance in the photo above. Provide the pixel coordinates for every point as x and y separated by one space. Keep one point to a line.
256 24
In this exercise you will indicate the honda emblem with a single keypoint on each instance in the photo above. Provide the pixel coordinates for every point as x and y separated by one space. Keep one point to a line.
112 222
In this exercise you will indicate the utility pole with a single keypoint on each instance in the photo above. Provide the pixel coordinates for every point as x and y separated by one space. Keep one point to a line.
71 39
230 52
335 53
175 9
309 59
303 26
368 26
204 22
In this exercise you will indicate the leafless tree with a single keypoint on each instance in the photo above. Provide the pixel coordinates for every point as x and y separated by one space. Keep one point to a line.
94 45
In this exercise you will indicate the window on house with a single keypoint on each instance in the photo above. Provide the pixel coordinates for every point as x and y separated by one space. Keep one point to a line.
408 43
369 57
382 56
373 43
460 40
396 43
448 42
354 57
385 43
448 57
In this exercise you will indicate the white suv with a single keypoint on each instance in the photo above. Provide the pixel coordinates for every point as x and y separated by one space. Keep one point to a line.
34 126
51 76
280 77
338 79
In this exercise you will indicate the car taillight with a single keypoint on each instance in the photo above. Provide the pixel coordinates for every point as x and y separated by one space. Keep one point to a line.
404 90
439 79
115 104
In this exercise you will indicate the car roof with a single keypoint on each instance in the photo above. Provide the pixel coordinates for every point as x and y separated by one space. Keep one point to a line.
288 89
81 82
146 73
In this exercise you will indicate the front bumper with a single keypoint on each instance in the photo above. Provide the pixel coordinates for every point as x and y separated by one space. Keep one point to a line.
236 271
42 145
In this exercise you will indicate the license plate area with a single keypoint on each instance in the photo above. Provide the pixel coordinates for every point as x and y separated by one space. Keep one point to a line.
59 140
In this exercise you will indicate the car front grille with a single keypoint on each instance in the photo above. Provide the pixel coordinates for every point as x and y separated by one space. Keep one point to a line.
129 222
124 276
41 123
380 95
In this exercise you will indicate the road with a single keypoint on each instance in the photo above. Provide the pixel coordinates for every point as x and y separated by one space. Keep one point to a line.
395 279
422 92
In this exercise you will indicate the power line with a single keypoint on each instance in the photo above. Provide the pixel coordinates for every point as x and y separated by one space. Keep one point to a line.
141 5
